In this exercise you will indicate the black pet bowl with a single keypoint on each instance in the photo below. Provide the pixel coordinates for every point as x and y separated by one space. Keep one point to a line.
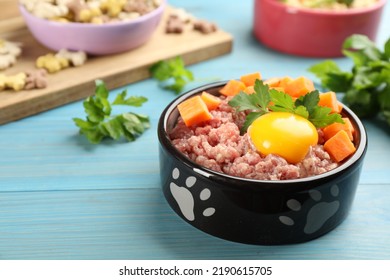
256 211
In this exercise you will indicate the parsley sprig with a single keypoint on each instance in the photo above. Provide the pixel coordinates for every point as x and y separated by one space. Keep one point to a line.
365 87
171 74
259 102
100 124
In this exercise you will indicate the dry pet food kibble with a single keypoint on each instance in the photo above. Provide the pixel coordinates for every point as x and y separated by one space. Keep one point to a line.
112 7
205 27
15 82
77 58
182 14
140 6
36 79
179 18
52 63
174 25
81 12
45 8
90 11
9 51
24 80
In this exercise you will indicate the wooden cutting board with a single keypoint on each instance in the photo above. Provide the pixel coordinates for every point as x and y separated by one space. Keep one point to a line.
116 70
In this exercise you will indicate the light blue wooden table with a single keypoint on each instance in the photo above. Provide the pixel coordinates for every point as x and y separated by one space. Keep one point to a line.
63 198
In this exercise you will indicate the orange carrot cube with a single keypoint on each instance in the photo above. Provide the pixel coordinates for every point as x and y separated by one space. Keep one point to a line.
329 99
249 90
334 128
232 88
249 79
299 87
272 82
211 101
339 147
194 111
285 81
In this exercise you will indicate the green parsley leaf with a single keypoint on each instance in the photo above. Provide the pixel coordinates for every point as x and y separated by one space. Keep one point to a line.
321 117
305 106
387 49
282 102
366 85
362 49
258 104
331 76
101 90
323 68
135 101
309 101
171 74
99 123
301 111
384 101
262 91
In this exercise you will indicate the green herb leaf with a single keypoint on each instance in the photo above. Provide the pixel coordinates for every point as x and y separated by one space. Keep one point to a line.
331 76
305 106
93 136
101 90
362 48
309 101
387 49
262 95
256 102
301 111
322 69
135 101
99 123
322 117
282 102
384 101
84 125
364 87
95 110
173 73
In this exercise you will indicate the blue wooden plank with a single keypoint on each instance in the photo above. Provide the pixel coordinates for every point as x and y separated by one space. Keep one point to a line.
138 224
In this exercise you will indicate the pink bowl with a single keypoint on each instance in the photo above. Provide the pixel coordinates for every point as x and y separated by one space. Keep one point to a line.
94 39
309 32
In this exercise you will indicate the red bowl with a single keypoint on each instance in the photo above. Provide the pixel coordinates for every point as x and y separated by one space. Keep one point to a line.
309 32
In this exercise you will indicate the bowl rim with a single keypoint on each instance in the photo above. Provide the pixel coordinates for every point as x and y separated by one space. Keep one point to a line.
78 25
308 11
203 171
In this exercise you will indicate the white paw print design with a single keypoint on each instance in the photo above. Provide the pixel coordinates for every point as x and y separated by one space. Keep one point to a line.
318 214
185 198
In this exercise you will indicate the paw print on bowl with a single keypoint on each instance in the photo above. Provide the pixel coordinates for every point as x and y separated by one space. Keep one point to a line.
185 198
317 215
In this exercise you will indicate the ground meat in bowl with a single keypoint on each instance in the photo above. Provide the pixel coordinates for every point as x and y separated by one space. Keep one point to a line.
218 145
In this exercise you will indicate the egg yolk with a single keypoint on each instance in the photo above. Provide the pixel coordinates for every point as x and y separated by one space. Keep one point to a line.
285 134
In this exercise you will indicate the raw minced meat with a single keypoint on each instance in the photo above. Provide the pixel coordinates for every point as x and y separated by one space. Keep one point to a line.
218 145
